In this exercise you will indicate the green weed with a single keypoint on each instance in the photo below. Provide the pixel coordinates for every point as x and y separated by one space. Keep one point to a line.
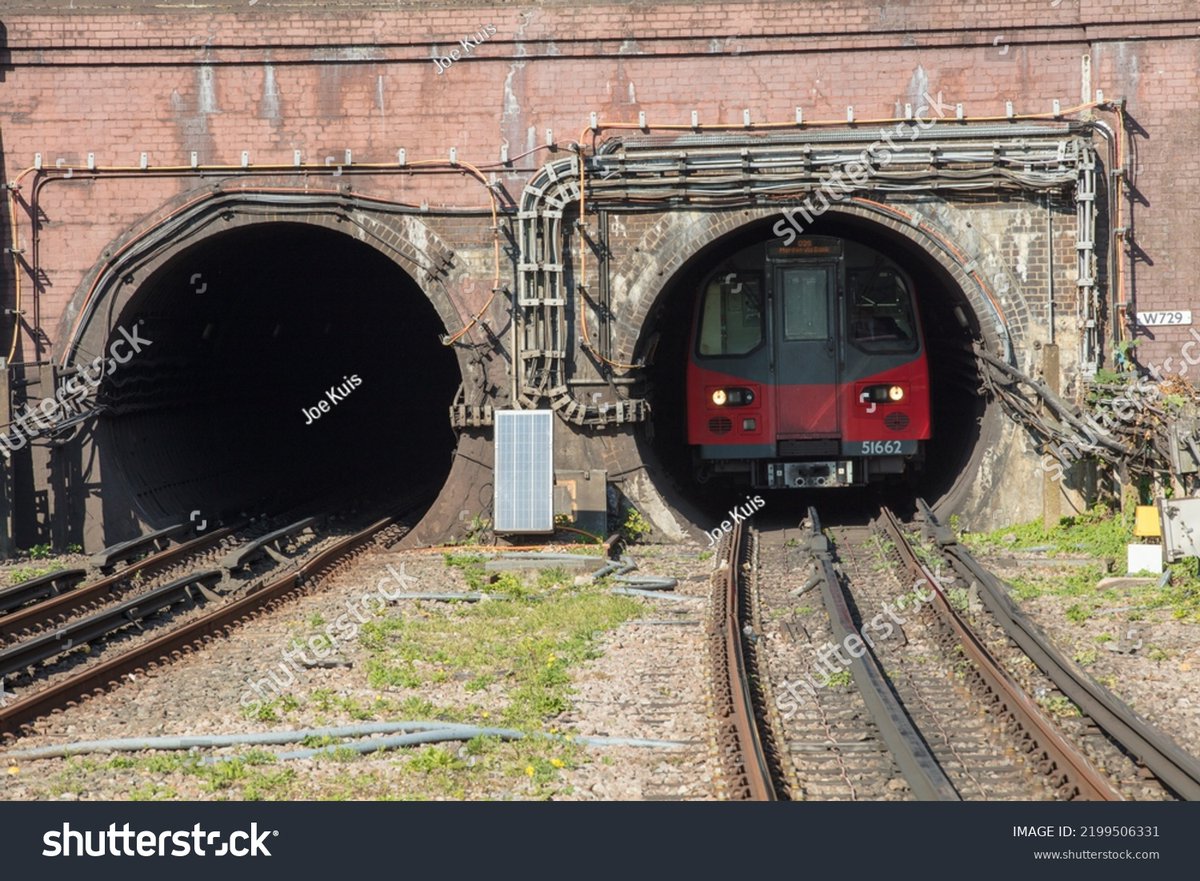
635 527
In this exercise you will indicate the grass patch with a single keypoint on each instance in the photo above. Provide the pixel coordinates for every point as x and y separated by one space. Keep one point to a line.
635 527
379 708
1181 599
471 566
554 578
252 776
28 573
522 640
1097 532
506 584
1102 534
521 644
1059 705
152 790
1079 612
264 711
959 598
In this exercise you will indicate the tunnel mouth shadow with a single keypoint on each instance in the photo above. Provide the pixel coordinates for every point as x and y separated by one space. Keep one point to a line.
964 424
290 367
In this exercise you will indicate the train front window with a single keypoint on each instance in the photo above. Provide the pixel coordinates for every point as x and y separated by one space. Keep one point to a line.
806 303
731 316
881 314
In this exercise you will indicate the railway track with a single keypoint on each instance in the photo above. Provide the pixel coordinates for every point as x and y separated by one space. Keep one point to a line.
52 634
745 739
48 601
1104 715
845 670
246 592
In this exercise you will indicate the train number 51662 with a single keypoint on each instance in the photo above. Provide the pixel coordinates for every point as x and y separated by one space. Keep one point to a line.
881 448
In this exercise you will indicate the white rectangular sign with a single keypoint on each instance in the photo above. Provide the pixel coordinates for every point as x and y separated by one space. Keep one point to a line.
1163 317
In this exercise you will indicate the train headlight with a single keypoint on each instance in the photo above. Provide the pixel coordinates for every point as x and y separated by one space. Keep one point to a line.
883 394
733 397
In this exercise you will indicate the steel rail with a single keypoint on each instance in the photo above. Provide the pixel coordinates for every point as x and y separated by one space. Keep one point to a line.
751 766
39 588
1074 767
124 614
68 603
263 546
911 753
1175 768
174 643
122 552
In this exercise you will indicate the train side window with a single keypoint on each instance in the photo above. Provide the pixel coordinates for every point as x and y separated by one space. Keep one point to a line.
881 315
731 318
806 303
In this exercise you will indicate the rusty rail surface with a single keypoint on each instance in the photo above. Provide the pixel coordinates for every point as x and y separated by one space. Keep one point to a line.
744 746
79 599
911 753
174 643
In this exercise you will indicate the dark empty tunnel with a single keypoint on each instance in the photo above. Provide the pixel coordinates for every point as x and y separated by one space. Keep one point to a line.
290 367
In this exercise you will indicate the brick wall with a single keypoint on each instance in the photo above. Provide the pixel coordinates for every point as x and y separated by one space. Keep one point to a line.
220 82
351 76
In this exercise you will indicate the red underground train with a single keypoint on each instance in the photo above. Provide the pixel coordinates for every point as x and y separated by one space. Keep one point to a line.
807 368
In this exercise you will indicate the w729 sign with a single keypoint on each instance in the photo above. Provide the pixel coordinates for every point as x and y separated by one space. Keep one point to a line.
1158 319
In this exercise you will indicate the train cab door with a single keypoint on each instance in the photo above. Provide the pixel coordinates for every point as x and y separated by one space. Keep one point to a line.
805 368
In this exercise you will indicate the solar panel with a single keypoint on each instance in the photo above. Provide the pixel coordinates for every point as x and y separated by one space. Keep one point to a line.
524 484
